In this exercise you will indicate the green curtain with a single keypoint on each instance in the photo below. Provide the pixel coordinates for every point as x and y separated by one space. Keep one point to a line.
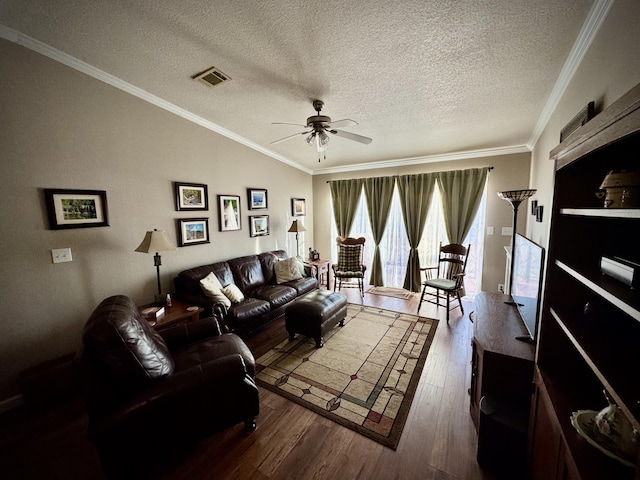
379 192
345 195
461 192
415 196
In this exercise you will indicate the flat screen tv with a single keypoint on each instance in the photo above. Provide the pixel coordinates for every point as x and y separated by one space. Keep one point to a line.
526 287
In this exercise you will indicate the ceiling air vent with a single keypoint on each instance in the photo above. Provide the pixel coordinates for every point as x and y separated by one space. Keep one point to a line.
212 77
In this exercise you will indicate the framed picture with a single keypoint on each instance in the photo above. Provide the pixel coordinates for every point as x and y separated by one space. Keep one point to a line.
193 231
257 198
229 212
298 207
76 208
581 118
259 225
191 196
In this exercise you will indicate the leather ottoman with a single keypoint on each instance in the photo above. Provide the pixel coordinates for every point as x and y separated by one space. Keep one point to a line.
315 314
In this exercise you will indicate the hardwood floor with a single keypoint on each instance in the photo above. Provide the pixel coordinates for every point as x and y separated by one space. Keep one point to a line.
438 442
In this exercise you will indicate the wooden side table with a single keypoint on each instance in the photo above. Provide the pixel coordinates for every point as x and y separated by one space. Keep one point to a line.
178 312
323 267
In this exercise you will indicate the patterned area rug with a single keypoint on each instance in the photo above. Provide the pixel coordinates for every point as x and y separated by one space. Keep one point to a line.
390 292
364 377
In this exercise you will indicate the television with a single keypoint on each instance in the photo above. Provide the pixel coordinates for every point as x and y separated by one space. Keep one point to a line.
526 285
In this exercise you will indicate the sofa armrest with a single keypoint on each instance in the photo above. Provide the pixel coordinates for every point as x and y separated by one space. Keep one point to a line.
187 333
146 405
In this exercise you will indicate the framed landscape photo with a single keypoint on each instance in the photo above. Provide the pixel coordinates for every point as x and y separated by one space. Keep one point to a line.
193 231
298 207
76 208
258 225
191 196
257 198
229 212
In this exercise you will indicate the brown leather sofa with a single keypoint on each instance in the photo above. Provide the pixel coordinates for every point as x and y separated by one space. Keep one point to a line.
254 275
152 393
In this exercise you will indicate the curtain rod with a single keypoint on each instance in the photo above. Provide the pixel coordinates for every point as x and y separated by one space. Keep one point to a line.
489 168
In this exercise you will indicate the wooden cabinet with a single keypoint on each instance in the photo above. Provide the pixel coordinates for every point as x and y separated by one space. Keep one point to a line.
501 366
589 337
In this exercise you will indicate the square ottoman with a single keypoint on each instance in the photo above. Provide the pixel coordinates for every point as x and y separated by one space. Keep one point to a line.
315 314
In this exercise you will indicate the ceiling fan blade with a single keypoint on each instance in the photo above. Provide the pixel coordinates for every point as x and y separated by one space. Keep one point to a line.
290 136
351 136
285 123
345 122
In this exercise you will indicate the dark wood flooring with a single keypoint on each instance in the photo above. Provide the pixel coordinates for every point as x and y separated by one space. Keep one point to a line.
438 442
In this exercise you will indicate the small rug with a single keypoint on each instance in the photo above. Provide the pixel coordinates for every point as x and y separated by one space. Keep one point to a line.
390 292
364 377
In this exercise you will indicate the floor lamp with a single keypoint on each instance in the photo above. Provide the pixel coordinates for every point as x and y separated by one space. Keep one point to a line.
515 198
156 241
297 227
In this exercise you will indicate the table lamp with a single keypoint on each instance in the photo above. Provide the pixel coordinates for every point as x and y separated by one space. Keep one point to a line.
297 227
156 241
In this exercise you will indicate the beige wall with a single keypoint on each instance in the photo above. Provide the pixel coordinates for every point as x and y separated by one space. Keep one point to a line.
610 69
511 172
62 129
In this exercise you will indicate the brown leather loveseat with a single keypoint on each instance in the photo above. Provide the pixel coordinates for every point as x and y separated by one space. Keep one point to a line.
152 392
264 298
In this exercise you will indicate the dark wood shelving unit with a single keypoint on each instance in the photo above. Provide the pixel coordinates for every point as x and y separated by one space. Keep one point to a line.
589 336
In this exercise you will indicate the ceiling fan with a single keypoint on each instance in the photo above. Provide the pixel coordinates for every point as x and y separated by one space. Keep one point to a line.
319 126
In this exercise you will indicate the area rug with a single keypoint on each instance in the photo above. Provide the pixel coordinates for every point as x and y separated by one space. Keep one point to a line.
390 292
364 377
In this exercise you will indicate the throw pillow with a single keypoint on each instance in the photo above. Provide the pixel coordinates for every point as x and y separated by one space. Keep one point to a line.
233 293
287 270
211 287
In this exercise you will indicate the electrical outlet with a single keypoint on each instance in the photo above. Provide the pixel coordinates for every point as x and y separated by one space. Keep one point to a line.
489 230
501 287
60 255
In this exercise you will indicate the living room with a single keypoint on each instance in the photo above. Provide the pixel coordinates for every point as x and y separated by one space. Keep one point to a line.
75 131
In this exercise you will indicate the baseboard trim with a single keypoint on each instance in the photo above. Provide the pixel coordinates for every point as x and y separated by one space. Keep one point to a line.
11 403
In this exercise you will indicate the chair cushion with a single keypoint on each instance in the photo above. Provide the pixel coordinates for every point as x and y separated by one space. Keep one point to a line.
441 283
123 346
350 258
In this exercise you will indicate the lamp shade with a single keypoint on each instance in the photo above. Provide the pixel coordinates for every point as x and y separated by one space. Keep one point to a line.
296 227
155 241
516 196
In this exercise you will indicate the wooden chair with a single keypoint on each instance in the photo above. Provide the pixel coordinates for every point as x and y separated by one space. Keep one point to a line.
447 276
350 263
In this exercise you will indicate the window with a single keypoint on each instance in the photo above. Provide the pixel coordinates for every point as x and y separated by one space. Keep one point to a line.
394 247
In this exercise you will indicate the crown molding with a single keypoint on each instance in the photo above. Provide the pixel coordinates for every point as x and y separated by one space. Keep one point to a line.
594 20
447 157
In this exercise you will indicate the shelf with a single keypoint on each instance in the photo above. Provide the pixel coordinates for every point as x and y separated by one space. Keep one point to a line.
613 291
630 213
591 463
604 353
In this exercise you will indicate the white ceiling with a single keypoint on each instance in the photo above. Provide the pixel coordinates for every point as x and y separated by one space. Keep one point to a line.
424 78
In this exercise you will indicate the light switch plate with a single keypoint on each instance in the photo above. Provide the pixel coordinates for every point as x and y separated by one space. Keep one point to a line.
507 231
60 255
489 230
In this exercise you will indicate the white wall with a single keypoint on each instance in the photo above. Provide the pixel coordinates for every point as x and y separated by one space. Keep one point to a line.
62 129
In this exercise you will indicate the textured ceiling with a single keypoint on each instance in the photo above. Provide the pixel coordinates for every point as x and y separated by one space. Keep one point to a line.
422 78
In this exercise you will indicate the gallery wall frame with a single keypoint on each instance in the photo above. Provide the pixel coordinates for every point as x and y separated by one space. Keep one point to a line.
68 208
191 196
193 231
258 225
257 198
229 213
298 207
